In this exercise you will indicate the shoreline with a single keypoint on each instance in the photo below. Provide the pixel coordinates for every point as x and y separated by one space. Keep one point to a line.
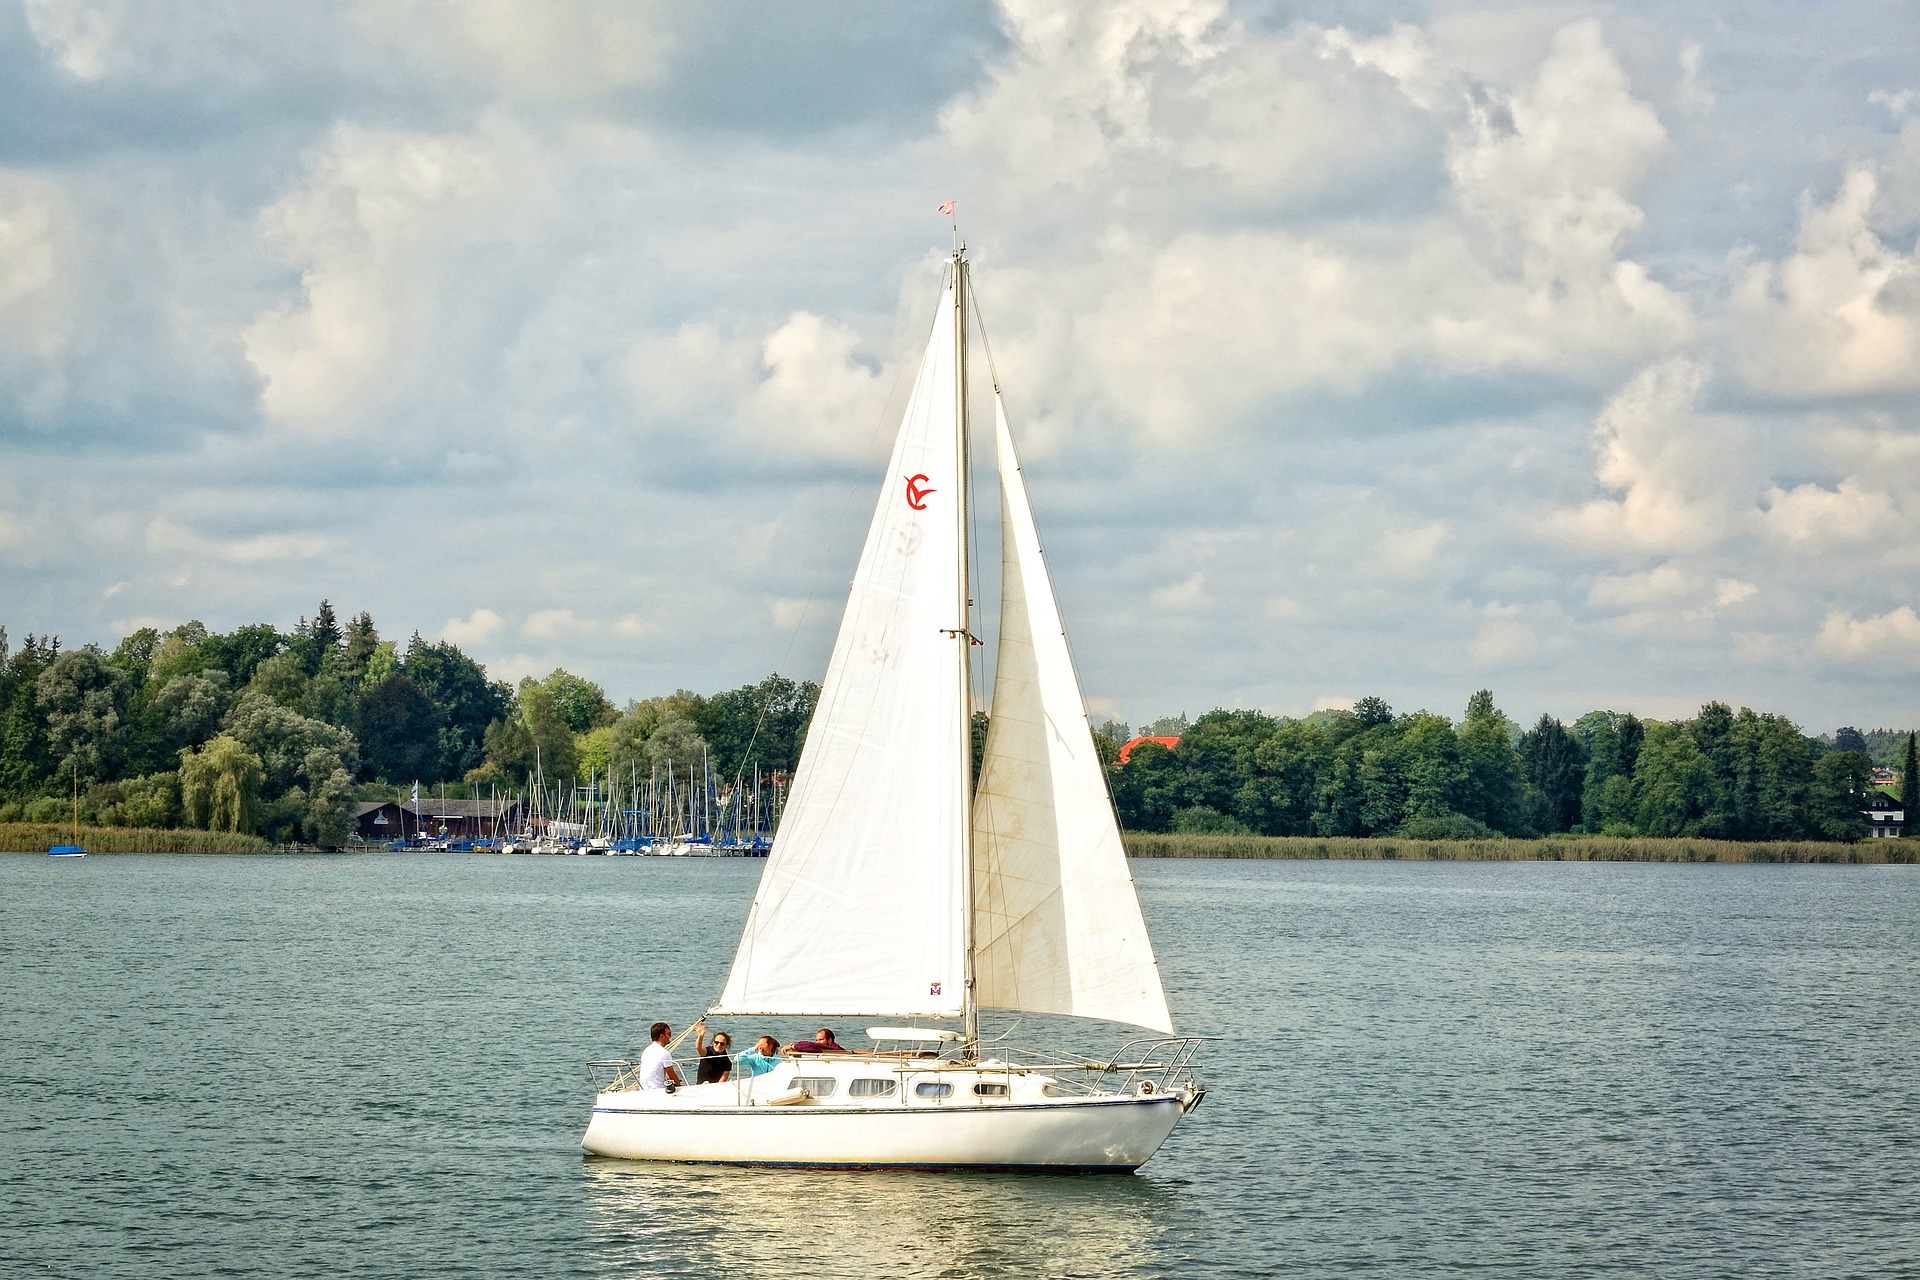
35 837
1141 844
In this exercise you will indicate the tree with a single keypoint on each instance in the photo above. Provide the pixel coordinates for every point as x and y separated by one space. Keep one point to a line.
362 639
757 726
1673 784
467 701
26 758
1144 788
400 731
283 678
1371 711
283 738
80 695
189 707
1839 795
1910 781
1495 786
1555 766
329 818
676 741
552 739
581 703
242 650
1847 738
220 785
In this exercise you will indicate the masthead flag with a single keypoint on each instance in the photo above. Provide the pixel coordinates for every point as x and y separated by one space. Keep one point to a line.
947 208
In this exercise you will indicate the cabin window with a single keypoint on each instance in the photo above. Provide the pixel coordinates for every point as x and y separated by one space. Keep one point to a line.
816 1086
870 1088
1054 1091
933 1089
988 1089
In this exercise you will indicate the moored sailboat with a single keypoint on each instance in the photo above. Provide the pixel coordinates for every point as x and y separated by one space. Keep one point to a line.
895 889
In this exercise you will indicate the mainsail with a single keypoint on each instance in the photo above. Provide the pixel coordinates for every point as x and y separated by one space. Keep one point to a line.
861 907
1057 925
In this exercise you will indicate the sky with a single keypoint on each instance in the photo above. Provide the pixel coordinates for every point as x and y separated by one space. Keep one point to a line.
1570 351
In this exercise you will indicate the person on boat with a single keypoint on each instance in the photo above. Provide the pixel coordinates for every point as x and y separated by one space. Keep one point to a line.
822 1042
715 1063
656 1063
762 1058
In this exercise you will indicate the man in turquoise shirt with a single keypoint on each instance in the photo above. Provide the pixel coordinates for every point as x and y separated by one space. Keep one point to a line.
763 1057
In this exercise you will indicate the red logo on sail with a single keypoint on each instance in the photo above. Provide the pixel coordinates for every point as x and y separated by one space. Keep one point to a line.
917 492
934 990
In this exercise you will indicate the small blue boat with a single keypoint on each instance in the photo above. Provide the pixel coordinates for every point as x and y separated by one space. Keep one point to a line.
71 850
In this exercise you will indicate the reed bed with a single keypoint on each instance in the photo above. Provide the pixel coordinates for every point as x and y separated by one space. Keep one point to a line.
37 837
1557 849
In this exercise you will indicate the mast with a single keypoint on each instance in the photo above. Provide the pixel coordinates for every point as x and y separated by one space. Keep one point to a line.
964 635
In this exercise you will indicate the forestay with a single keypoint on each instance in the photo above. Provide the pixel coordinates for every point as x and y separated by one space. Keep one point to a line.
1057 925
859 909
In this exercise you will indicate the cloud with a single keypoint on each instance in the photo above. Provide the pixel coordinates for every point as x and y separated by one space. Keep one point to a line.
1676 472
1189 326
540 50
76 33
38 245
367 229
551 625
1815 519
165 536
1406 552
476 628
1840 315
803 390
1181 597
1895 634
1502 636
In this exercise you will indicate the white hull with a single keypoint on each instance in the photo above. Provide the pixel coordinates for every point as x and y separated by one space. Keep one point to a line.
1026 1122
1117 1134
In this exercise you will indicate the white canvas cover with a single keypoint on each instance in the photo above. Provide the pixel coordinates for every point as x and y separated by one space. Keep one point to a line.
859 909
1057 925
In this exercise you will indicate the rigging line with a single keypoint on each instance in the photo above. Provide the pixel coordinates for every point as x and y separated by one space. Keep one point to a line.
1106 778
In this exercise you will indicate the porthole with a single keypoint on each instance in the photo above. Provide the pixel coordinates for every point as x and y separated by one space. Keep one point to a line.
816 1086
990 1089
870 1089
933 1089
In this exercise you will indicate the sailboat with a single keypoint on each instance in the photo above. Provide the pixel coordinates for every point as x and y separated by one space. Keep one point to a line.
73 850
896 890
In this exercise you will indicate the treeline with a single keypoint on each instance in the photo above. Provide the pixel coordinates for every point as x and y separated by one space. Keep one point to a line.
1368 772
278 733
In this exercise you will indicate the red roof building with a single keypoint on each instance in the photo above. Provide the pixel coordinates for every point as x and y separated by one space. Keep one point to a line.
1168 743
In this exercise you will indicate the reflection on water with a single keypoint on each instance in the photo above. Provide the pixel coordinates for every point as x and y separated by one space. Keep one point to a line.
648 1220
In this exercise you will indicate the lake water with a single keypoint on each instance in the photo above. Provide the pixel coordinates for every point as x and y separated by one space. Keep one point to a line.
372 1066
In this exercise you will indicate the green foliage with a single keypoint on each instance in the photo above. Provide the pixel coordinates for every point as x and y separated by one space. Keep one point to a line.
466 700
1555 765
757 726
1368 773
1201 820
400 731
328 819
220 785
1841 781
80 696
153 800
283 678
582 704
1910 779
282 739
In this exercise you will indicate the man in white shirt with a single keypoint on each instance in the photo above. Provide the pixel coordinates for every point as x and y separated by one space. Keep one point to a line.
656 1063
